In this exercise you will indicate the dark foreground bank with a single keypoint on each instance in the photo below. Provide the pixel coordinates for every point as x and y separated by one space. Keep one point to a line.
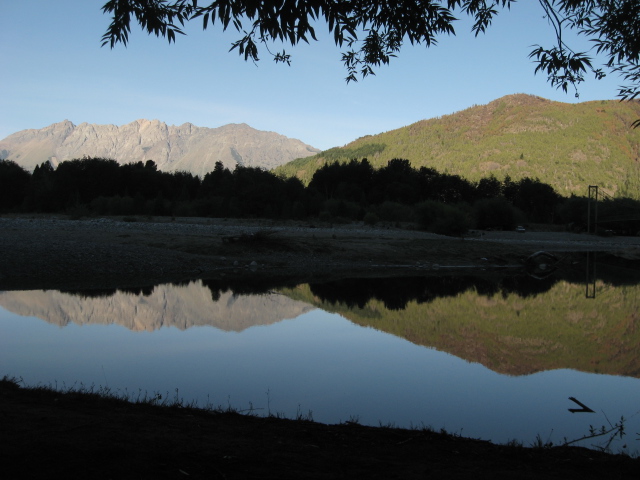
50 434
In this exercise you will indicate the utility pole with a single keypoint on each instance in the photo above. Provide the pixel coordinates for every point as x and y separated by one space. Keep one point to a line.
593 198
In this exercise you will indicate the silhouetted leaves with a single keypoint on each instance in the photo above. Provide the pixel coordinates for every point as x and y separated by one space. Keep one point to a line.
375 31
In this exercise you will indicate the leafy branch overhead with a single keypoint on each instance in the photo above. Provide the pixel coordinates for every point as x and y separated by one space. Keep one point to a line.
373 32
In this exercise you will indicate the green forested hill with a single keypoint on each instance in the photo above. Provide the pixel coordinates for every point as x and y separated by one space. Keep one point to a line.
569 146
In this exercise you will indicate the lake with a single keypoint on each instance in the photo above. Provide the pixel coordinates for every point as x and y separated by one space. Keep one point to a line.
494 356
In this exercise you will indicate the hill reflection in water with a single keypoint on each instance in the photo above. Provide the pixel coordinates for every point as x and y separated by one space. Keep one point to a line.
513 325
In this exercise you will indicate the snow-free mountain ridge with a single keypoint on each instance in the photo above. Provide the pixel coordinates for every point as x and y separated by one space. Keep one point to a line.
173 148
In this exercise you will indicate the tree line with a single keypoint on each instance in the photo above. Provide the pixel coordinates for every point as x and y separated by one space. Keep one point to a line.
338 192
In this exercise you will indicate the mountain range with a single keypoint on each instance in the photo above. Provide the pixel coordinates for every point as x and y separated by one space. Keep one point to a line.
182 148
569 146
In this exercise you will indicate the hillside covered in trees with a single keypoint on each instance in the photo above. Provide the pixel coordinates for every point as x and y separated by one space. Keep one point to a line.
568 146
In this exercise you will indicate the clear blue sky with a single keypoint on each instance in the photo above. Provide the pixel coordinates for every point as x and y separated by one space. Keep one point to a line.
53 69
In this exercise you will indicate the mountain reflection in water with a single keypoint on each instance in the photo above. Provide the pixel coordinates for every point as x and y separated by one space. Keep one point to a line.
513 325
180 306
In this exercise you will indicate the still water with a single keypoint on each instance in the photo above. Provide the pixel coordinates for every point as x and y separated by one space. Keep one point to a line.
485 357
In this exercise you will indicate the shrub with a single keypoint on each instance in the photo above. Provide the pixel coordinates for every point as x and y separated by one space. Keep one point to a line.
574 211
341 208
396 212
298 211
100 205
496 213
121 205
427 212
324 216
77 212
185 209
453 222
442 219
370 218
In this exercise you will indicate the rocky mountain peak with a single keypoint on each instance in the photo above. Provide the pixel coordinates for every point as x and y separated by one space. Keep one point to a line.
185 147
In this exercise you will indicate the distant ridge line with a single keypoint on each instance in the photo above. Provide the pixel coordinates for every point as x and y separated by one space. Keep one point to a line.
173 148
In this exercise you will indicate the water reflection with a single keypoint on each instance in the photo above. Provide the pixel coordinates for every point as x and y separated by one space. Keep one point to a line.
512 324
181 306
489 356
511 333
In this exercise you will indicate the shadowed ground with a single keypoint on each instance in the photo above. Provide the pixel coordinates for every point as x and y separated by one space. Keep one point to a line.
47 434
47 252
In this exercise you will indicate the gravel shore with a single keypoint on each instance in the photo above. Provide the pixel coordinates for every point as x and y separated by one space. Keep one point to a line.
57 252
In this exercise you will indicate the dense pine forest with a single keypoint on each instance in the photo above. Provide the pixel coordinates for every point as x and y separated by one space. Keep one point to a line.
338 192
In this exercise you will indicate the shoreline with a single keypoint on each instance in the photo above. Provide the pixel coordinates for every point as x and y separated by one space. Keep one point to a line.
95 434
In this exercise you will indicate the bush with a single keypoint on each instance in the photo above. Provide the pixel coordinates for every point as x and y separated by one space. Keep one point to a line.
185 209
396 212
427 213
370 218
495 213
100 205
573 212
78 211
442 219
341 208
324 216
122 205
298 212
453 222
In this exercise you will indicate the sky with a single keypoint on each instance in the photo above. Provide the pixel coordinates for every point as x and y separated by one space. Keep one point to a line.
54 69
